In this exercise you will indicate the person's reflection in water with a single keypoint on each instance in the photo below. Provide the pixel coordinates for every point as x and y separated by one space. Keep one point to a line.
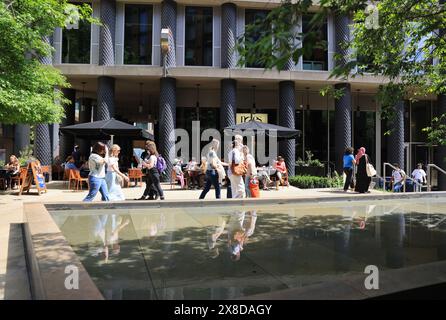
239 227
156 227
108 234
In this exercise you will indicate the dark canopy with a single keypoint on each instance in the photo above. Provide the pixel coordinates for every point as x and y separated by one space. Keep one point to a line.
256 126
102 130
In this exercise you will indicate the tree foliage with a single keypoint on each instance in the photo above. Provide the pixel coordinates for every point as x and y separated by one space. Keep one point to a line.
29 91
407 46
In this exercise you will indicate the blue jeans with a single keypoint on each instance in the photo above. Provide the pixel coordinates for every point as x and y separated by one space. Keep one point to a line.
211 179
247 190
398 187
97 184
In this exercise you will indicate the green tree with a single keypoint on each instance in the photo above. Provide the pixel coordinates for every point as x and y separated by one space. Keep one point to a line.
406 45
29 91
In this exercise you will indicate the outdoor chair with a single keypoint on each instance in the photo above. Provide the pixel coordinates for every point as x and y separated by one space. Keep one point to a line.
174 178
75 176
135 174
20 178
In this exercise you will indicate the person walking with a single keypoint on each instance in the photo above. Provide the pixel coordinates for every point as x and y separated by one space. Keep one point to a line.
96 179
148 191
212 162
419 175
251 169
235 158
349 161
114 176
398 178
153 185
362 179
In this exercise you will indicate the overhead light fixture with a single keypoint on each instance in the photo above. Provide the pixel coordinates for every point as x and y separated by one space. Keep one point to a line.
83 97
308 98
140 107
197 105
253 109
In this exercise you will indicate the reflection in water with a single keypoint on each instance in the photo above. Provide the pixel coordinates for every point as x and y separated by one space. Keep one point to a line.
182 254
238 226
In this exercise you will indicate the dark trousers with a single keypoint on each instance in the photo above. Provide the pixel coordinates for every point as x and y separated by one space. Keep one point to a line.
149 188
156 185
348 180
211 179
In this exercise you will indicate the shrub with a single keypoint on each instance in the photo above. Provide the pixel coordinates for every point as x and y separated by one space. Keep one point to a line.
311 182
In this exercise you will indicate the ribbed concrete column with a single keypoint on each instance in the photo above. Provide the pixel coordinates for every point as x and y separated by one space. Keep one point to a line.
228 100
287 107
343 106
167 119
107 33
395 141
21 137
169 20
106 98
66 141
343 123
85 116
440 151
342 35
228 35
42 143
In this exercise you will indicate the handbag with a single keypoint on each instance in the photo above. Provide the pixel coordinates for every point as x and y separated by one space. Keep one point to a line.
238 169
119 179
371 172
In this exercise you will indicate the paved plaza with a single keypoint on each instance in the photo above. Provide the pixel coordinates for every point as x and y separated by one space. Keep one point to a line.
13 276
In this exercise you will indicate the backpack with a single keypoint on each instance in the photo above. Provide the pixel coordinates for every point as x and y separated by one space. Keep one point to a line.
161 164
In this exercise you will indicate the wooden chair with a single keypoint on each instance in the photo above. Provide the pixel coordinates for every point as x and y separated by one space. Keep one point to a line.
135 174
75 175
21 177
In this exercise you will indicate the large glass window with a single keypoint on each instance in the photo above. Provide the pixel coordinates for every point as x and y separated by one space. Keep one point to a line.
198 42
315 56
251 16
138 34
76 43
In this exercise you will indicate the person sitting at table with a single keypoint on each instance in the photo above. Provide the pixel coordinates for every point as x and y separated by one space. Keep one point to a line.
179 172
70 164
281 172
192 172
12 170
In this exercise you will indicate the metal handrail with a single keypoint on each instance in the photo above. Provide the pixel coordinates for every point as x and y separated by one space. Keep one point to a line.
429 166
407 177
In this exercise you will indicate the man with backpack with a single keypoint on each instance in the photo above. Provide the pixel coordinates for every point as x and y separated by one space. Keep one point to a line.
152 165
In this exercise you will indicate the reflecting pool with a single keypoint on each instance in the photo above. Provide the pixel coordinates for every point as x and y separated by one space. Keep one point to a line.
228 252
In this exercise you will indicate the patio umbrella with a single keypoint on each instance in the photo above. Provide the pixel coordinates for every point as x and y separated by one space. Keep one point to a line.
260 127
105 130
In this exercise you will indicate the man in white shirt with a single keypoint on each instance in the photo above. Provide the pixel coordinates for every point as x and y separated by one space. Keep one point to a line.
419 175
399 178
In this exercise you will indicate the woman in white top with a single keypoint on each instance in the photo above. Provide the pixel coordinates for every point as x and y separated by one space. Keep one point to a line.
113 185
212 175
96 179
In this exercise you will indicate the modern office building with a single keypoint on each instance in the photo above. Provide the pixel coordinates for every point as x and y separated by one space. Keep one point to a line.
116 70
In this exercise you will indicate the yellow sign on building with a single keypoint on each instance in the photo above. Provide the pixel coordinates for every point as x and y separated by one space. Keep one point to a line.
245 117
